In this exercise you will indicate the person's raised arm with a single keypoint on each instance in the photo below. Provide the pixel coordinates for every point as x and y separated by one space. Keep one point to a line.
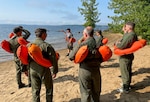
27 34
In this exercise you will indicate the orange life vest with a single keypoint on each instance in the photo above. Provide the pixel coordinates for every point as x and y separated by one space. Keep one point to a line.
22 54
81 54
22 41
105 40
135 46
57 56
72 40
6 46
35 53
11 35
106 52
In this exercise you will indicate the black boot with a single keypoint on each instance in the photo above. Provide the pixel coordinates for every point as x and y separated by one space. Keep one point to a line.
21 85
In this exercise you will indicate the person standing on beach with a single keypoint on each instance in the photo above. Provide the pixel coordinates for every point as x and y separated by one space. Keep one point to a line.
13 46
69 35
99 38
89 72
125 61
40 73
82 38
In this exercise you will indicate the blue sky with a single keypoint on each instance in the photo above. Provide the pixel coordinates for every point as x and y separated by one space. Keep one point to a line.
49 12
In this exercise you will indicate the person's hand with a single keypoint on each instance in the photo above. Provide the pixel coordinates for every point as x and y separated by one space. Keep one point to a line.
54 76
117 42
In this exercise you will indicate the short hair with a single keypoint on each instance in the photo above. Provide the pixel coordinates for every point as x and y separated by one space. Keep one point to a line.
17 29
68 29
20 27
90 31
40 31
131 24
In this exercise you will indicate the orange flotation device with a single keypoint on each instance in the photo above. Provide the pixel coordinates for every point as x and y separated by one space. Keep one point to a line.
106 52
105 40
57 56
36 54
6 46
81 54
66 38
11 35
22 41
143 41
135 46
22 54
72 40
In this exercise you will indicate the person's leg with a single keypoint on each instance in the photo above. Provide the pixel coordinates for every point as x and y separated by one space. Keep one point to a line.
130 71
125 75
48 85
68 49
29 76
96 76
85 85
18 74
36 86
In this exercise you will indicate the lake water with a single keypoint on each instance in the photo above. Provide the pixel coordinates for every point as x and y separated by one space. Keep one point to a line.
54 36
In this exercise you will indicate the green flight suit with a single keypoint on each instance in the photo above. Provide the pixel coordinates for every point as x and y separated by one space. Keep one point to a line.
40 74
89 73
125 61
13 46
99 41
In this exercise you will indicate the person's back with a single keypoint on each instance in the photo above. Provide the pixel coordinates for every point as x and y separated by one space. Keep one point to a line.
99 38
92 59
14 44
89 73
41 74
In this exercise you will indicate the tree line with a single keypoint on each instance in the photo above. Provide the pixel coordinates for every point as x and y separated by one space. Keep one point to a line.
137 11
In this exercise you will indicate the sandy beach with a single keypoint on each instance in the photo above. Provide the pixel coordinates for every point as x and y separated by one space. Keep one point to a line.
66 86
